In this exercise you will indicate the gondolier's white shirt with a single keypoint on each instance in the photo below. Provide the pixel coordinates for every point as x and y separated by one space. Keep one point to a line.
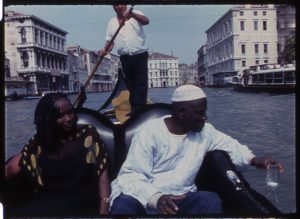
159 161
131 39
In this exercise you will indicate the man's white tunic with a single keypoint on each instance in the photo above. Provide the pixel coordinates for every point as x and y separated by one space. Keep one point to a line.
159 161
131 39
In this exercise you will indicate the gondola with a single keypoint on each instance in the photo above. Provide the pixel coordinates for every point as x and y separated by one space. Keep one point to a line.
217 173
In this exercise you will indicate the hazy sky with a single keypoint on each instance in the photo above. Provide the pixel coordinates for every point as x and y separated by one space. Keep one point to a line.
173 28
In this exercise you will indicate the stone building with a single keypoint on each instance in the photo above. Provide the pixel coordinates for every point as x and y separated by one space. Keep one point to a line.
194 79
105 76
244 36
286 28
37 53
77 73
188 74
163 70
202 63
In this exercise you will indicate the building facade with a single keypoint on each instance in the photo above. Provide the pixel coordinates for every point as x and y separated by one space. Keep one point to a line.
188 74
77 72
286 27
202 64
37 52
163 70
105 76
244 36
194 79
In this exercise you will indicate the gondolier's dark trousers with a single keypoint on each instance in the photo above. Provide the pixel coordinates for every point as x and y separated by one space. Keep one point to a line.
135 69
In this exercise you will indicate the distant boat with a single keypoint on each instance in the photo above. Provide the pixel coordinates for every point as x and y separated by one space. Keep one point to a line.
15 97
266 77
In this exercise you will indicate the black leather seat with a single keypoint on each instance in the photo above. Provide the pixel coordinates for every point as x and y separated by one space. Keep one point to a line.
106 131
117 138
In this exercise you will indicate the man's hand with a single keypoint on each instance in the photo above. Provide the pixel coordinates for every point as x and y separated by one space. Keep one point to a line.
166 204
127 15
143 20
265 162
102 52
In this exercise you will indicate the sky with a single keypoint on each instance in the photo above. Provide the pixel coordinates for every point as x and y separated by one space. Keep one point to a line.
173 29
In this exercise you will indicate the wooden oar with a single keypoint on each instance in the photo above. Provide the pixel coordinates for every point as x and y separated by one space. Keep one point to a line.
81 97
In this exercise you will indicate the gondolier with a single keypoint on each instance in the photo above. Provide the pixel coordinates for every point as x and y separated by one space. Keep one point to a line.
133 50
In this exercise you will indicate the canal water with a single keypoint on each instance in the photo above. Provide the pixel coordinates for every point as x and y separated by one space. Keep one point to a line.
263 121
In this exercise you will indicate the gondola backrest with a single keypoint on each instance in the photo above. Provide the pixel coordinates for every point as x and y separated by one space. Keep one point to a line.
117 138
106 130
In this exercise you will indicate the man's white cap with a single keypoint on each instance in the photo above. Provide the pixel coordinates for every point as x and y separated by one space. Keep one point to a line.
187 93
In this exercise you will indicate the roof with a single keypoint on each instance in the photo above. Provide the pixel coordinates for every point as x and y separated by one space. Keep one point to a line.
157 55
12 15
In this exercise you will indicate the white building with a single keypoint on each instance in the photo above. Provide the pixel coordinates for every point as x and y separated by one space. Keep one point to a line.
78 73
37 53
162 70
246 35
105 76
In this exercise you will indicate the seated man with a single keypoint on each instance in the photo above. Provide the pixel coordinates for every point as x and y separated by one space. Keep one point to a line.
158 175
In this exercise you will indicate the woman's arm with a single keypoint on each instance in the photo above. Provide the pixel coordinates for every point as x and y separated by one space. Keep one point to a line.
104 192
12 168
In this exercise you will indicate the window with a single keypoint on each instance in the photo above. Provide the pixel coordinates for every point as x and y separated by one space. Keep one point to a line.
286 24
264 25
36 36
257 62
255 13
242 25
54 42
243 63
265 48
46 39
279 47
50 41
243 48
25 58
42 37
256 48
266 61
58 43
241 13
43 60
48 62
255 23
23 35
264 13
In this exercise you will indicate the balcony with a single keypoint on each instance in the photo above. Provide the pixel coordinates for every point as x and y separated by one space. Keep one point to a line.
44 47
37 69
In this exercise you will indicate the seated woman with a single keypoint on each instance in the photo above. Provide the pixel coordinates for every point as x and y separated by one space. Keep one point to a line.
64 163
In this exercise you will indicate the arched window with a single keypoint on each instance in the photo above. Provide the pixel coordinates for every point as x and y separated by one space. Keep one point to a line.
25 57
23 35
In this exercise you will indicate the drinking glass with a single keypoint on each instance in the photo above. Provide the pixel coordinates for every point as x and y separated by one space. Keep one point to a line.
272 180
